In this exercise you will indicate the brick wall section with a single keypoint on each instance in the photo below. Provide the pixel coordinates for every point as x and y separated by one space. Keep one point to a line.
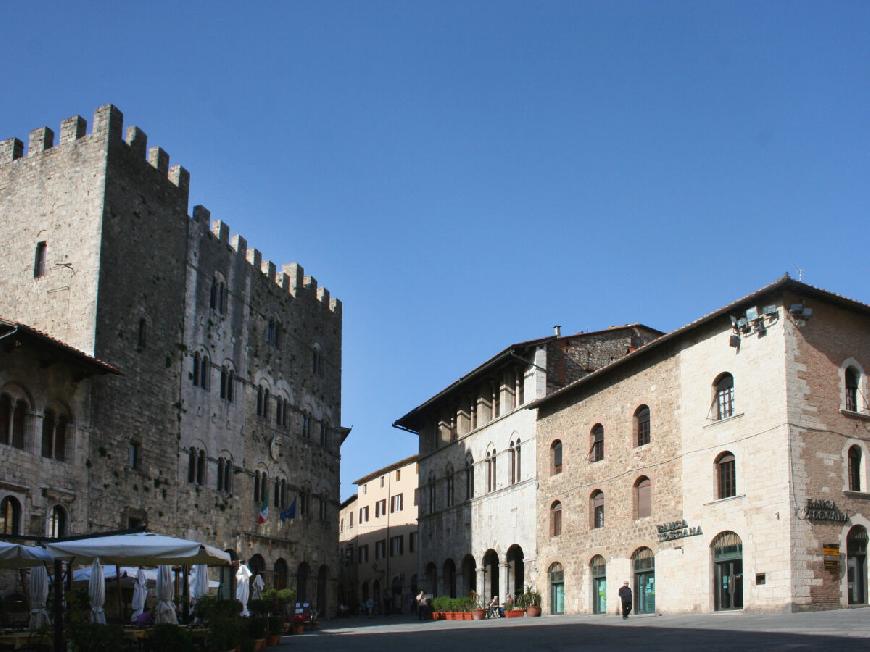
821 434
611 403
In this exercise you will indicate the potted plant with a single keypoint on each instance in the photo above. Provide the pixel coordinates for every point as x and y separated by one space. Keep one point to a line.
257 631
513 608
274 629
475 608
298 624
532 602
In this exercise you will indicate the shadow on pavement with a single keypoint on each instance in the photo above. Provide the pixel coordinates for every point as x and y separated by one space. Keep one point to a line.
565 638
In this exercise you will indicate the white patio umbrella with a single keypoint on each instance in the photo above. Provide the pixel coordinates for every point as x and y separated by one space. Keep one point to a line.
17 555
145 549
140 593
165 605
198 582
97 593
38 595
243 587
257 586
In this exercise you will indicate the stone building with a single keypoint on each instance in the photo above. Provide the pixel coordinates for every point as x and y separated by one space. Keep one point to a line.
378 540
44 432
224 425
478 470
721 466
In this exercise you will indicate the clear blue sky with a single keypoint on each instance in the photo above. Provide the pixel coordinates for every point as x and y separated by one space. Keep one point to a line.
467 174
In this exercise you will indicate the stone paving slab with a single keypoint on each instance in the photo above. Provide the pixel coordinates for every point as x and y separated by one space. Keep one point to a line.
831 631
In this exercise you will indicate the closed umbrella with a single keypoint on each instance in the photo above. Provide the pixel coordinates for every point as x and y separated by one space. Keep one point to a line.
243 587
165 605
198 582
38 595
140 593
257 587
97 593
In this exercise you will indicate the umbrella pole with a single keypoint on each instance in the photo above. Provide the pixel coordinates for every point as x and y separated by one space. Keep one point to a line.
186 594
58 606
120 598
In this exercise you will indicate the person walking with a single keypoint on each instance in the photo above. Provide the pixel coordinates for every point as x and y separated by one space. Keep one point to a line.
625 597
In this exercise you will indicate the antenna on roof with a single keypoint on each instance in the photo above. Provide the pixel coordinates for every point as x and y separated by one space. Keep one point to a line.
800 272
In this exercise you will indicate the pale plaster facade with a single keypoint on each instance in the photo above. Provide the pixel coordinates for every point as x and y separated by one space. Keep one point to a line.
378 540
478 467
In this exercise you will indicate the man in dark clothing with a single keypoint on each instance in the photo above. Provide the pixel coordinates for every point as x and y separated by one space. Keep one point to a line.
625 596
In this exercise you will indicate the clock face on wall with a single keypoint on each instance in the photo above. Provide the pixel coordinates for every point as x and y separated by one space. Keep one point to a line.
275 449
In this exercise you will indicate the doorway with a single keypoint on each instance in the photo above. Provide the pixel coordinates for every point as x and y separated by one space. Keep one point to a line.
856 564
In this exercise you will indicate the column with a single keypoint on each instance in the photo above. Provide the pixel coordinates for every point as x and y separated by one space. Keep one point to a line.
482 590
502 581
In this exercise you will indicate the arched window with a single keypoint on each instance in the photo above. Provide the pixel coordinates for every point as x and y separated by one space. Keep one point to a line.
726 479
556 457
279 577
266 404
48 434
60 431
220 474
855 468
642 497
5 419
191 464
200 468
228 476
596 443
644 567
852 382
10 516
469 478
57 522
204 372
724 396
448 477
196 369
642 426
19 419
431 487
597 501
490 472
556 519
515 461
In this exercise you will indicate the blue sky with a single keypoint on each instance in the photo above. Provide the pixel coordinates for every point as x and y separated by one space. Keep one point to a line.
467 174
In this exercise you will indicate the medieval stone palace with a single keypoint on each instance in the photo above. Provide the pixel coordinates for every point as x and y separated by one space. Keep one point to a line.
155 371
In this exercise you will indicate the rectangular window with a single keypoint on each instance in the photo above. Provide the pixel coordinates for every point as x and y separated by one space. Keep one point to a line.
134 455
396 503
412 541
39 259
398 474
381 549
397 545
350 521
383 505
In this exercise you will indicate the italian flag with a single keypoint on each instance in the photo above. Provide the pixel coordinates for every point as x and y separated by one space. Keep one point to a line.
263 516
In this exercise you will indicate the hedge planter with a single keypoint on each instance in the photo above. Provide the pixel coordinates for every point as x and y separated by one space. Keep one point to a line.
515 613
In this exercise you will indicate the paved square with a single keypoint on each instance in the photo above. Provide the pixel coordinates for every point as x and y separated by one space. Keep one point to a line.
845 629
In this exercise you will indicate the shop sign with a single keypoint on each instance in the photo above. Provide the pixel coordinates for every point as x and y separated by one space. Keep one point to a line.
831 553
824 510
677 530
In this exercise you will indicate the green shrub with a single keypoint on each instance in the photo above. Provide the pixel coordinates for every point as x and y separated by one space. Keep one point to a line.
275 625
170 637
260 607
87 637
257 627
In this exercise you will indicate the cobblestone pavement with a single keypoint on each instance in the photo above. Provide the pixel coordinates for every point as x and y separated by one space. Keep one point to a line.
844 629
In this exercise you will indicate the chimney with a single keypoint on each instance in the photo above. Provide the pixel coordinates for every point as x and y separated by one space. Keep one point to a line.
557 330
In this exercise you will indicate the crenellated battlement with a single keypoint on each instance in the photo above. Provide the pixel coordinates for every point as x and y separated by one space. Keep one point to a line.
290 277
107 125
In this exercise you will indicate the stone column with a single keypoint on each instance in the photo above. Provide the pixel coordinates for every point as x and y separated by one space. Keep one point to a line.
482 590
502 581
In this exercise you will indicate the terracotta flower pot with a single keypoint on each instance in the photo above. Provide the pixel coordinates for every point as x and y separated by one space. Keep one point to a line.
534 612
298 628
259 644
478 614
514 613
274 639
